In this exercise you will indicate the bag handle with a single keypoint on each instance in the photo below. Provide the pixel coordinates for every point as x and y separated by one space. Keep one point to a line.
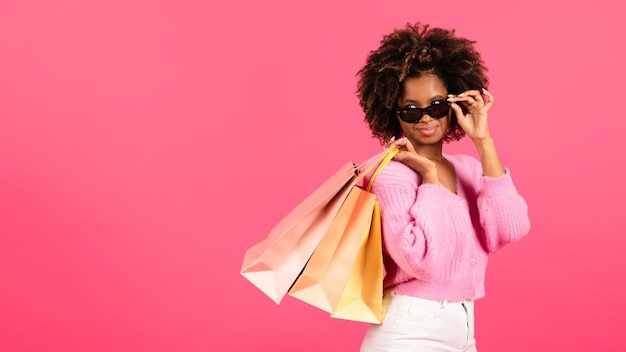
367 166
381 166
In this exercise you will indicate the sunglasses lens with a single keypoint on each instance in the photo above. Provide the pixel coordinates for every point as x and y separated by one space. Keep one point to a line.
410 116
438 111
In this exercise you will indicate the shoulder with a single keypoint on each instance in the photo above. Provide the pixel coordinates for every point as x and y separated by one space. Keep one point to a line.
396 173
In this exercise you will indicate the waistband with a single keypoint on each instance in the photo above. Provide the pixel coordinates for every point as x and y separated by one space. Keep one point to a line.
409 301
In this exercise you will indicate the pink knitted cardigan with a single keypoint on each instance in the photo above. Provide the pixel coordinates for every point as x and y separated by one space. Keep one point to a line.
436 243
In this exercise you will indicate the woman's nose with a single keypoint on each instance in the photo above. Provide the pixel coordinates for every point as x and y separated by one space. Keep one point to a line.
425 118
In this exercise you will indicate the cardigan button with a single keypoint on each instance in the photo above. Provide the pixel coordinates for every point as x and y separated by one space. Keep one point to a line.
472 261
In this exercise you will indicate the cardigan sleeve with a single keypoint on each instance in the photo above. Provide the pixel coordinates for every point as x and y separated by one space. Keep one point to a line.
418 233
503 212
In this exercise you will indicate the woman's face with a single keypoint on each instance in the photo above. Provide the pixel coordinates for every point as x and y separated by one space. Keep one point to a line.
421 92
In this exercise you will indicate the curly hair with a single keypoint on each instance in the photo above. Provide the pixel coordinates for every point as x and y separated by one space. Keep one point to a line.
407 53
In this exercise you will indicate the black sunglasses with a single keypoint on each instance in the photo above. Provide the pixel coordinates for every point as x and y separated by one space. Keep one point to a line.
436 110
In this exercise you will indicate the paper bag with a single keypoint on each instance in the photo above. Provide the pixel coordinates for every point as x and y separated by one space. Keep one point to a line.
325 276
274 263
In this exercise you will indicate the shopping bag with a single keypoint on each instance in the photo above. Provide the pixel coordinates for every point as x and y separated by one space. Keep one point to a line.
324 278
335 278
361 299
273 264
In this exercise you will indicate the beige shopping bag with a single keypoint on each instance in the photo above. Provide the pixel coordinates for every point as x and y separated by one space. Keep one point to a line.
361 299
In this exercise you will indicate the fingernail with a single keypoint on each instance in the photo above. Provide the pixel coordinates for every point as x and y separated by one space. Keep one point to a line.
484 90
460 95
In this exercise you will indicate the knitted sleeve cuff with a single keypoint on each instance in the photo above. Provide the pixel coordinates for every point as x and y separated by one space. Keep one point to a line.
495 185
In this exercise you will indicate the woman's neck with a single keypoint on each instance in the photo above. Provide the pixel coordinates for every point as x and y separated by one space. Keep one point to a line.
433 152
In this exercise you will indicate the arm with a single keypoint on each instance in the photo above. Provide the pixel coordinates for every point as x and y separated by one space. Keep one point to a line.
475 125
489 159
503 212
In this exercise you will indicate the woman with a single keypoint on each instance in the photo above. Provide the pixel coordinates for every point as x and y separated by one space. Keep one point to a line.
442 214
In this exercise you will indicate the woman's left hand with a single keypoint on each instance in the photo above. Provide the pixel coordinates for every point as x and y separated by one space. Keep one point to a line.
474 122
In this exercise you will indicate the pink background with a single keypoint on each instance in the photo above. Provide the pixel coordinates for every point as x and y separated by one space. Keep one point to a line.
145 145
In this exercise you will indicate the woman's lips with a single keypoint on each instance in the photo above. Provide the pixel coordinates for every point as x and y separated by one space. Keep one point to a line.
428 131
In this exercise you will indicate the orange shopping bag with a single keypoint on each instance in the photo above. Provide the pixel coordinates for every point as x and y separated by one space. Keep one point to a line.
361 299
345 273
273 264
324 278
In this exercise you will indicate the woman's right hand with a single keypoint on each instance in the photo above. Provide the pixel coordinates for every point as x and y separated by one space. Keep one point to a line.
407 155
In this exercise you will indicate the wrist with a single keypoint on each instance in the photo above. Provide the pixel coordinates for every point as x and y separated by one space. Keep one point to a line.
492 166
430 176
484 144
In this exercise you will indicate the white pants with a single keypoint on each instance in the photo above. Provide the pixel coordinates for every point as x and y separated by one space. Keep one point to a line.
416 324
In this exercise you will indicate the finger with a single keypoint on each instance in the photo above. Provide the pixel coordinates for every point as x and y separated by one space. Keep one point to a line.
491 101
403 144
405 156
401 156
466 99
478 97
458 111
396 144
408 145
390 142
